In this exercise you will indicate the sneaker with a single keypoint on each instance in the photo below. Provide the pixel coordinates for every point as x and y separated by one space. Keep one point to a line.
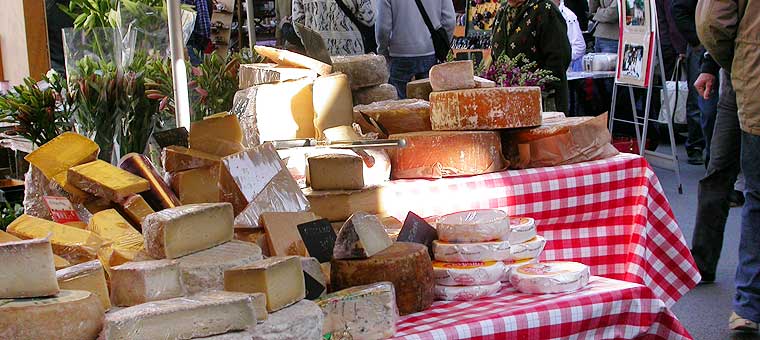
695 157
736 199
739 324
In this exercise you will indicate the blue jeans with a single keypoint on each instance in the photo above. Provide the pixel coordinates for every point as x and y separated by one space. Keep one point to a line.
747 298
604 45
404 68
694 115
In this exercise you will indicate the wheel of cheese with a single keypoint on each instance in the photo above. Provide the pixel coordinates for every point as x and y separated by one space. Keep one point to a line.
511 265
72 314
406 265
469 226
523 229
471 252
468 273
486 108
528 250
466 293
550 277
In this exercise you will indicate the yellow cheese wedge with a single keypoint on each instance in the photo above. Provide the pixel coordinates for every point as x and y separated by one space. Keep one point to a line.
135 208
113 228
62 152
59 262
196 185
105 180
178 158
73 244
219 135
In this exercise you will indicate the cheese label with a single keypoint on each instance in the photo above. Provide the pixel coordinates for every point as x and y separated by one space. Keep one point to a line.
463 265
520 223
550 268
61 209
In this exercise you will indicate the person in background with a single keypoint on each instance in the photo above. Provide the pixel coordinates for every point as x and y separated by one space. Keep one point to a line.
574 35
672 42
580 9
57 20
730 31
537 29
404 39
283 9
341 36
201 36
607 33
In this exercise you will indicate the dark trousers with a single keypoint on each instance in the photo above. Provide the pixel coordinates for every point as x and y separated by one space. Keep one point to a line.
747 298
695 139
718 182
403 69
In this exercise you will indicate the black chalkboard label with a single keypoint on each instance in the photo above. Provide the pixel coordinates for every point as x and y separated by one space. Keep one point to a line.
313 288
319 238
417 230
166 138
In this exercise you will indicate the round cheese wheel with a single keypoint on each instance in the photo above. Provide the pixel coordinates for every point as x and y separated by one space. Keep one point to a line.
468 273
72 314
471 252
466 293
406 265
550 277
528 250
522 229
474 226
511 265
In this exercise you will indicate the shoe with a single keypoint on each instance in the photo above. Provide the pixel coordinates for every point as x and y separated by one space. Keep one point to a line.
735 199
739 324
707 278
695 157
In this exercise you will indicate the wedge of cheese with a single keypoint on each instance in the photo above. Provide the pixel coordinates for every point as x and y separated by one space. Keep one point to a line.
176 232
88 276
362 236
55 157
135 283
27 269
73 244
279 278
105 180
219 135
59 262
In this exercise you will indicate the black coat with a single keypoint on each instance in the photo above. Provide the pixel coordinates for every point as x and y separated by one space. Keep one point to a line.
684 15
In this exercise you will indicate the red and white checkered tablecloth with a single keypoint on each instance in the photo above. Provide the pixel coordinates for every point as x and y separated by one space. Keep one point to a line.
611 215
605 309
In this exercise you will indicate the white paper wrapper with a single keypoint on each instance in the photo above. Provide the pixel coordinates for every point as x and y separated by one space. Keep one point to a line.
474 226
550 277
471 252
528 250
465 293
468 273
522 229
511 265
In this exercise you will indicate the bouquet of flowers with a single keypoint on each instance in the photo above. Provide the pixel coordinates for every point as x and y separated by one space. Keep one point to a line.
517 71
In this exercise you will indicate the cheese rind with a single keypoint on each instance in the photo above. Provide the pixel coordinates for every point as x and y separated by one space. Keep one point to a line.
88 276
105 180
486 108
279 278
59 262
134 283
372 94
338 205
468 273
204 271
474 226
362 236
471 252
287 58
365 312
550 277
455 75
528 250
260 306
197 185
27 269
73 244
160 196
176 232
182 318
419 89
219 135
362 70
178 158
466 293
446 154
282 232
135 208
335 172
73 314
302 320
523 229
396 116
406 265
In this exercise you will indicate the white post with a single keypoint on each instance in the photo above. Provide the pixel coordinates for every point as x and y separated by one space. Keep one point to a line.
179 74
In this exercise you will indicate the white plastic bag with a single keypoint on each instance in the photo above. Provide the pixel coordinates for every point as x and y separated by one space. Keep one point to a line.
679 107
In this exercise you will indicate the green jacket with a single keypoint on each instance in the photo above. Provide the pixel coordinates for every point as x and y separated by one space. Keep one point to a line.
540 33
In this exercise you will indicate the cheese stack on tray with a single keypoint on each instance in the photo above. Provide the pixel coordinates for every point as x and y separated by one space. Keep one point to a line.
525 244
469 252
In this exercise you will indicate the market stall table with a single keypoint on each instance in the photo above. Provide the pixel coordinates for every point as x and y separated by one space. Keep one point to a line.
610 214
605 309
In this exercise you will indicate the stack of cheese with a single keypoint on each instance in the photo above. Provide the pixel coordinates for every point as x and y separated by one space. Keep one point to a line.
525 245
469 252
368 76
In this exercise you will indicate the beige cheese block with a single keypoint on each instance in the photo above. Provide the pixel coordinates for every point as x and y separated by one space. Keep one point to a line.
260 306
376 163
88 276
377 93
364 312
257 74
182 318
419 89
455 75
134 283
105 180
395 116
280 278
362 70
219 135
301 321
204 271
335 172
72 314
59 262
287 58
282 232
27 269
179 158
180 231
285 110
338 205
73 244
198 185
333 104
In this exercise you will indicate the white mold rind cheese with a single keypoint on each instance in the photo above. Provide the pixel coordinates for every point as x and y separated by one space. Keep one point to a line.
474 226
550 277
471 252
468 273
523 229
465 293
528 250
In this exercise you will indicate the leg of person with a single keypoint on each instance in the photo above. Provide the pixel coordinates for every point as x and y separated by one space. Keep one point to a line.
717 184
401 72
694 141
747 298
423 66
709 108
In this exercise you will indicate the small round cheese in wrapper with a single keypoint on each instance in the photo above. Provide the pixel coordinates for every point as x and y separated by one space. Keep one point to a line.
469 226
466 293
550 277
523 229
468 273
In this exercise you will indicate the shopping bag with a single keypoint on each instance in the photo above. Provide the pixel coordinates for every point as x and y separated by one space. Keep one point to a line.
677 92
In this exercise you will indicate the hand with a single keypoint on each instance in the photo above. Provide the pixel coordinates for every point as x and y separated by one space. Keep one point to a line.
704 84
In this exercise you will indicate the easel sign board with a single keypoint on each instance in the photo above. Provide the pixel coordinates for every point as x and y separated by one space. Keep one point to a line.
636 42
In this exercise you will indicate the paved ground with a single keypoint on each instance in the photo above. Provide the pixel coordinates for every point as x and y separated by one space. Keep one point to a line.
704 311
